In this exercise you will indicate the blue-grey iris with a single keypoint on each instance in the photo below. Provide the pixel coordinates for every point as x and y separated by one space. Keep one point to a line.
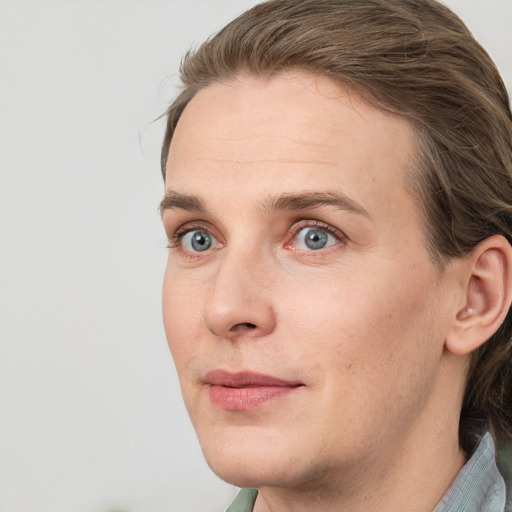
316 238
201 240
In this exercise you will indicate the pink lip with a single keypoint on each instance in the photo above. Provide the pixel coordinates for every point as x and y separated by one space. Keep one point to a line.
245 390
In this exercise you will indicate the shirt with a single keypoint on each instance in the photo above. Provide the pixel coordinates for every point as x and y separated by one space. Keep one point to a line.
478 487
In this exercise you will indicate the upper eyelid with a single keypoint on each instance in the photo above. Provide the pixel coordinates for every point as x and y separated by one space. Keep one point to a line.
176 220
177 234
305 223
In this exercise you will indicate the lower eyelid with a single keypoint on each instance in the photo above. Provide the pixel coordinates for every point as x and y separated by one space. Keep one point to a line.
301 242
178 241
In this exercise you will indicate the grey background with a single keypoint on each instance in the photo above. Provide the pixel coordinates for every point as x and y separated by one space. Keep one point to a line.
91 418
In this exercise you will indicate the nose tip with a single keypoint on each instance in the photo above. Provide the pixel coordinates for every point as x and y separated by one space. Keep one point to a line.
240 321
238 306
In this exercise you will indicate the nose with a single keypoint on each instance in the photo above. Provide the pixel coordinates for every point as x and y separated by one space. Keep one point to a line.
238 304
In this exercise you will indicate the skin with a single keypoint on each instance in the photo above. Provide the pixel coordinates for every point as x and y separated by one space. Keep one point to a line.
361 323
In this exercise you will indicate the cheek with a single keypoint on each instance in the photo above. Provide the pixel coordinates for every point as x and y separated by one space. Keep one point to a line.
362 325
181 310
370 351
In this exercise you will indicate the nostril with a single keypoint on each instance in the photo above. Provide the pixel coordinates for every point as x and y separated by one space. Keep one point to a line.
243 326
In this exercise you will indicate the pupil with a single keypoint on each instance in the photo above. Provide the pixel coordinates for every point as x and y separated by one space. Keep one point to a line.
201 241
316 239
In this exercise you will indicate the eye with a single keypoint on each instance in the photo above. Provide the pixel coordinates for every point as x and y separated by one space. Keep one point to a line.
313 239
198 240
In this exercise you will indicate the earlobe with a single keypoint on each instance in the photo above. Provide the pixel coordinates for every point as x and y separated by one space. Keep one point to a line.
488 295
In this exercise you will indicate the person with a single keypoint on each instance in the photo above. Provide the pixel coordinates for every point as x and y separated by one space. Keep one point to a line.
338 206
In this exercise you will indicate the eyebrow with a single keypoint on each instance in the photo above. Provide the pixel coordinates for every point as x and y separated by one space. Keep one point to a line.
176 201
281 202
308 200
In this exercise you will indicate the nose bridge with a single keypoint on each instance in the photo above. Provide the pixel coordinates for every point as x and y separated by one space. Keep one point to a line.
239 299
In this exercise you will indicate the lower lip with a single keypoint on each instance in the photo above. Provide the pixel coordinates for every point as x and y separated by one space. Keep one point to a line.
245 398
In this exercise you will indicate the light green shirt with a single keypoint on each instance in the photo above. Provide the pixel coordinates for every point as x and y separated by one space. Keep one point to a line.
479 486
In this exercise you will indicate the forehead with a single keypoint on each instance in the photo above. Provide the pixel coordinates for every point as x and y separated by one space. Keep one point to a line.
293 132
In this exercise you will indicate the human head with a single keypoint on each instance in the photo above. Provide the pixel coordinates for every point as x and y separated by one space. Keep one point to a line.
416 59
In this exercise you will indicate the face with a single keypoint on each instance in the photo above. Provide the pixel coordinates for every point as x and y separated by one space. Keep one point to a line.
303 312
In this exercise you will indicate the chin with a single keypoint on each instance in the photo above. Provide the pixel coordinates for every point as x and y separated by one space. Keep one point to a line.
253 461
254 474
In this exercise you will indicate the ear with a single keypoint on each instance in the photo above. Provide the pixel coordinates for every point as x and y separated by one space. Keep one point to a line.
487 294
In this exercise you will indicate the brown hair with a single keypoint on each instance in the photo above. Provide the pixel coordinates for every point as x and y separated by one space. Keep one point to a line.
417 59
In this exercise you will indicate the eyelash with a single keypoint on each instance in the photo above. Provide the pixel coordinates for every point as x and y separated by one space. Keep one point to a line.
300 225
176 238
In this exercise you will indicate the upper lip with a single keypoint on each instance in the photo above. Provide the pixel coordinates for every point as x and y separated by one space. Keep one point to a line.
246 379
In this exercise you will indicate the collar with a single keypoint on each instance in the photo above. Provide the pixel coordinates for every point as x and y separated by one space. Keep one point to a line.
478 487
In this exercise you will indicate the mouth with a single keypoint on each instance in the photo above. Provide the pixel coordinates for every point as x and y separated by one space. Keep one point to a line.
243 391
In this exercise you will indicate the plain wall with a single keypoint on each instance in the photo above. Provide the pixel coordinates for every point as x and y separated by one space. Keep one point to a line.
91 415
